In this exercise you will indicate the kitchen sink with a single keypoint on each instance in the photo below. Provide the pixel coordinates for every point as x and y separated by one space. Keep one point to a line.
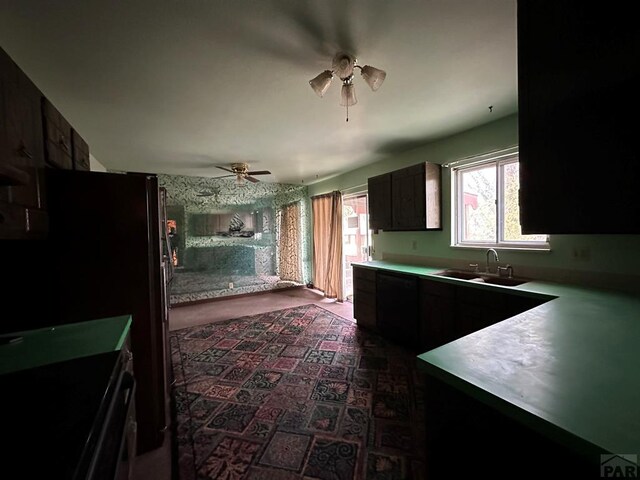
458 274
482 278
505 281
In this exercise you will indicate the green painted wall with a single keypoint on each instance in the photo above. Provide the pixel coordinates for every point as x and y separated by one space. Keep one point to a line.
600 253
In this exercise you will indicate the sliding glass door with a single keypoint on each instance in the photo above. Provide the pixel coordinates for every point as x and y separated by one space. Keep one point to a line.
356 236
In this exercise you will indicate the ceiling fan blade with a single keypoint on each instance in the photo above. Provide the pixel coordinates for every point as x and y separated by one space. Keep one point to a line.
251 179
260 172
224 168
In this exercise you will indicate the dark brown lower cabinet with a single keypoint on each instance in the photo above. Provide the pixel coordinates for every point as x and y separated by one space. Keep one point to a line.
477 309
364 297
423 314
491 442
437 308
448 311
397 307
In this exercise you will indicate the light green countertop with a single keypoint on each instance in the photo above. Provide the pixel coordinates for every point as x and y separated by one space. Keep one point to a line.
568 368
64 342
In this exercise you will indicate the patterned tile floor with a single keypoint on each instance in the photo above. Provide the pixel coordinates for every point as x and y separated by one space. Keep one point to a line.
296 393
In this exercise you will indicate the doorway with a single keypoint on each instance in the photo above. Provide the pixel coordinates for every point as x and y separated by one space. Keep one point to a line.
356 236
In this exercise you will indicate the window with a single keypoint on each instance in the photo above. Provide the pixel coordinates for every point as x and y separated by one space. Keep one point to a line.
486 205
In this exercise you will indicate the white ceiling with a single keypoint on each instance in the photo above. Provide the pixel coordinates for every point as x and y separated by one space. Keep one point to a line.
180 86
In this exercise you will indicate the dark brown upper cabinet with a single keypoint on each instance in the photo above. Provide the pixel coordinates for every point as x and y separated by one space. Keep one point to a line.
578 65
379 190
406 199
58 146
80 152
22 213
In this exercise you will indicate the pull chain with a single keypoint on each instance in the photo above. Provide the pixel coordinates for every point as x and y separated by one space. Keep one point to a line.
347 113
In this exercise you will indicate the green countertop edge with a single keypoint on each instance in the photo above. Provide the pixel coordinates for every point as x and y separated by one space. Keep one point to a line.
582 447
59 343
123 336
557 297
528 289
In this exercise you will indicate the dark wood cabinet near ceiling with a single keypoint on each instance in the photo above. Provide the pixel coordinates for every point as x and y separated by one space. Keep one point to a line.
406 199
80 152
57 137
22 204
33 135
578 78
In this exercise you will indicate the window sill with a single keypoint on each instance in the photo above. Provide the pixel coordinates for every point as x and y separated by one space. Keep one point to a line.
504 248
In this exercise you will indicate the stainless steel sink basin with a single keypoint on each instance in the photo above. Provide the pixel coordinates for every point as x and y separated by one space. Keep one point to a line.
458 274
505 281
482 278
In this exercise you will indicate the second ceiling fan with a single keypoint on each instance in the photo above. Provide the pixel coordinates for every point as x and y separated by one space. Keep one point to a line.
241 171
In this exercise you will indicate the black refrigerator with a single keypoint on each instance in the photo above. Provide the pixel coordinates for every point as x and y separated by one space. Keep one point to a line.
107 256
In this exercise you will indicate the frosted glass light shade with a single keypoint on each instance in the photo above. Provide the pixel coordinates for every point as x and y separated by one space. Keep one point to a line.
321 83
348 96
373 76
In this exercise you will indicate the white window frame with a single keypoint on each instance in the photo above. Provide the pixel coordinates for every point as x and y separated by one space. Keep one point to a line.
458 205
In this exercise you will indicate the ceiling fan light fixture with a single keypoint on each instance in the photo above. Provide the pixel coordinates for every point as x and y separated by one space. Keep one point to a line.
373 76
343 67
348 95
321 83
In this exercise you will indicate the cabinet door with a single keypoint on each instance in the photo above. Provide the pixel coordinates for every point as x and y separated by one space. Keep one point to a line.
22 161
80 150
515 304
57 137
364 297
478 308
437 313
379 190
397 308
408 211
577 83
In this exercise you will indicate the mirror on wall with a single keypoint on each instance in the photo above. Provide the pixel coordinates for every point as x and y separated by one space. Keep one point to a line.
238 224
241 223
225 238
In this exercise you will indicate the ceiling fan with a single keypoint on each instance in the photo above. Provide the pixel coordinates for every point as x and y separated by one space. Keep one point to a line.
241 171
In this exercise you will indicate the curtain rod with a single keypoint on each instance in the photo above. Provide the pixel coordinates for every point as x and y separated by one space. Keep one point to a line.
354 187
492 155
326 194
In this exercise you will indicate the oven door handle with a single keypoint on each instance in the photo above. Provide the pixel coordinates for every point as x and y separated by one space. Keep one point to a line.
126 381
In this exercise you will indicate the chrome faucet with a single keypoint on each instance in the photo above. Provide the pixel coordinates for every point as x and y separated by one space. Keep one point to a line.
495 254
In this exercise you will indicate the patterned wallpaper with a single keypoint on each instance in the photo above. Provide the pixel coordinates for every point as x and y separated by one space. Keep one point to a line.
223 196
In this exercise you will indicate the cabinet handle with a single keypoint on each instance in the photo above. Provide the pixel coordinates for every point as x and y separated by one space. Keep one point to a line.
25 153
63 143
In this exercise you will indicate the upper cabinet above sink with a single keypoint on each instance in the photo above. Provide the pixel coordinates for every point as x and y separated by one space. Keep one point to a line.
577 85
406 199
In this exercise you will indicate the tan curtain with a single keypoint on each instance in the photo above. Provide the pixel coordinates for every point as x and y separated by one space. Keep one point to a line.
327 244
289 243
